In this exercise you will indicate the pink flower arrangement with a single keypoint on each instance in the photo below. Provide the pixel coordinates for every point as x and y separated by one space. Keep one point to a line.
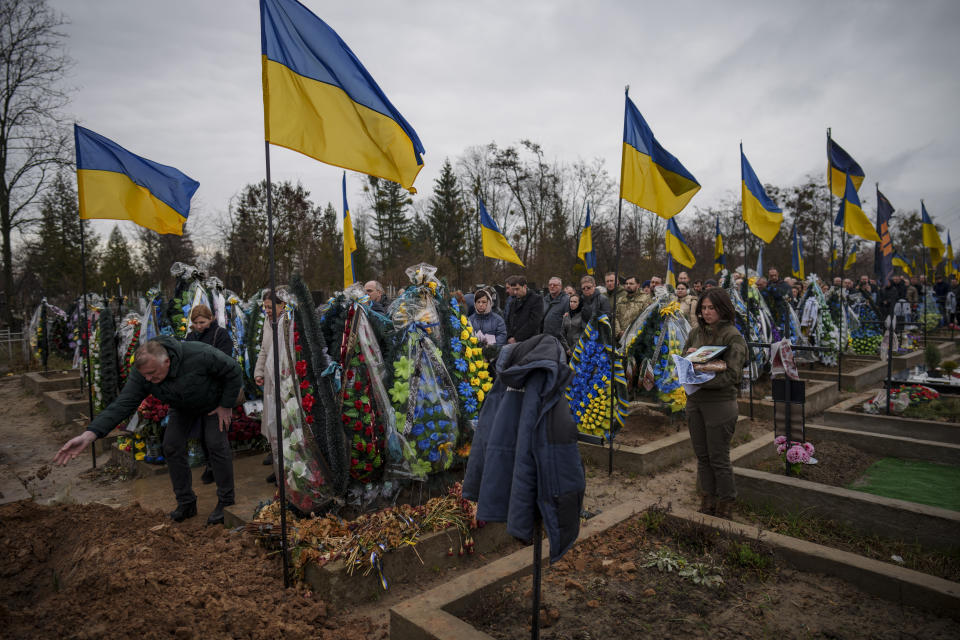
794 453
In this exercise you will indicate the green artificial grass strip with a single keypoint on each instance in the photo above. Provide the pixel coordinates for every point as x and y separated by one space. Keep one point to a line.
936 485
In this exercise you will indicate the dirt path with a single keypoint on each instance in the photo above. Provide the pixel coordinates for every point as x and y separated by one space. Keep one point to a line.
28 442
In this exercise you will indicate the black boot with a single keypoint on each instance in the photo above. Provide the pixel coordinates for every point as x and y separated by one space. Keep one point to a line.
207 476
184 511
268 460
272 478
216 516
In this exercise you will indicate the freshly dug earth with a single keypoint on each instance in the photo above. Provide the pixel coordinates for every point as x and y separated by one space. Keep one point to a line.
838 465
91 571
601 589
643 426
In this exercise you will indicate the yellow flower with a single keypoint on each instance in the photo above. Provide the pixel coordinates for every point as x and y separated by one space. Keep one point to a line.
480 396
475 382
464 320
140 456
141 445
473 367
473 339
486 386
433 287
483 375
464 335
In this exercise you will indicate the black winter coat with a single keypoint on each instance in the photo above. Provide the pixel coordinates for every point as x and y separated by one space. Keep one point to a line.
215 336
524 317
200 379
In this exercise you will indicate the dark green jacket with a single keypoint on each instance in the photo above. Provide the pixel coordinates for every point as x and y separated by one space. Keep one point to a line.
201 378
726 384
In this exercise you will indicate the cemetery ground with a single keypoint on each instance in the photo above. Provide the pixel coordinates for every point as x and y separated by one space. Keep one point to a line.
91 554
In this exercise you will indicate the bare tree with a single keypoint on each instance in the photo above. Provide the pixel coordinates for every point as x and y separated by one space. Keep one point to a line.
33 140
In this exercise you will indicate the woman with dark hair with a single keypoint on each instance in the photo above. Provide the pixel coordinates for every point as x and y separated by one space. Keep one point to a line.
572 324
712 410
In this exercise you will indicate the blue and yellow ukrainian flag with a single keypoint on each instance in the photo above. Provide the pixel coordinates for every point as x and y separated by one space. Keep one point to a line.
495 245
852 256
839 166
949 268
796 255
760 213
931 239
319 100
851 216
671 275
349 241
585 249
650 177
900 261
719 259
115 184
677 246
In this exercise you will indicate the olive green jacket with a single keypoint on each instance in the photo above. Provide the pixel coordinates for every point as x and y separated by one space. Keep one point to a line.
201 378
725 384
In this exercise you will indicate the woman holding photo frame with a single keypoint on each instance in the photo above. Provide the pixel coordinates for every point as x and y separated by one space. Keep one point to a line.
712 409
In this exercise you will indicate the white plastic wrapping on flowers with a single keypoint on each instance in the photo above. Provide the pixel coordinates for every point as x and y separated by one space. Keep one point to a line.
305 483
427 428
34 325
417 304
125 332
824 332
376 367
217 300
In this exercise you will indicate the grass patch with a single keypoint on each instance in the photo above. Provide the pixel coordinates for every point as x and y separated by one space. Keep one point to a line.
941 410
937 485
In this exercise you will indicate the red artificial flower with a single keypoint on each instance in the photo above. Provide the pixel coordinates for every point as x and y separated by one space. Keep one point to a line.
345 418
359 446
354 462
308 419
369 447
366 408
301 368
368 431
307 402
357 386
358 427
298 348
296 336
368 467
360 358
349 374
304 384
357 404
358 423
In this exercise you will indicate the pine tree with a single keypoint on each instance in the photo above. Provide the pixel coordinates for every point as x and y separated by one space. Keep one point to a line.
447 220
390 225
118 262
53 254
159 252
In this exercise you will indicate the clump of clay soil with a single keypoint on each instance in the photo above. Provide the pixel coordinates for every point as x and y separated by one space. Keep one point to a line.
91 571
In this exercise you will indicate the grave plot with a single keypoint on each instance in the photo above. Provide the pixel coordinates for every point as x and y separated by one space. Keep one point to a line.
843 486
638 571
940 425
649 441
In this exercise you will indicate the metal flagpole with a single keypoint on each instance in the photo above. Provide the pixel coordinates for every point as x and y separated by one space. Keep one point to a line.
613 333
830 190
278 454
85 332
746 301
843 312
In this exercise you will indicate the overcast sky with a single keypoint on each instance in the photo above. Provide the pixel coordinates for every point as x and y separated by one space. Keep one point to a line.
178 81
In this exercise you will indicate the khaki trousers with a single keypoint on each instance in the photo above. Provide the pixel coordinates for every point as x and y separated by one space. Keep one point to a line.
711 426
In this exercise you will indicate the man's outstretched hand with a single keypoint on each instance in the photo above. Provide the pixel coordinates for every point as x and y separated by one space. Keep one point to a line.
224 416
74 447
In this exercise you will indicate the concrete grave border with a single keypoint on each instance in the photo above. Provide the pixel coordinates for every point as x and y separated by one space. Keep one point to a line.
820 395
433 615
38 382
844 416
